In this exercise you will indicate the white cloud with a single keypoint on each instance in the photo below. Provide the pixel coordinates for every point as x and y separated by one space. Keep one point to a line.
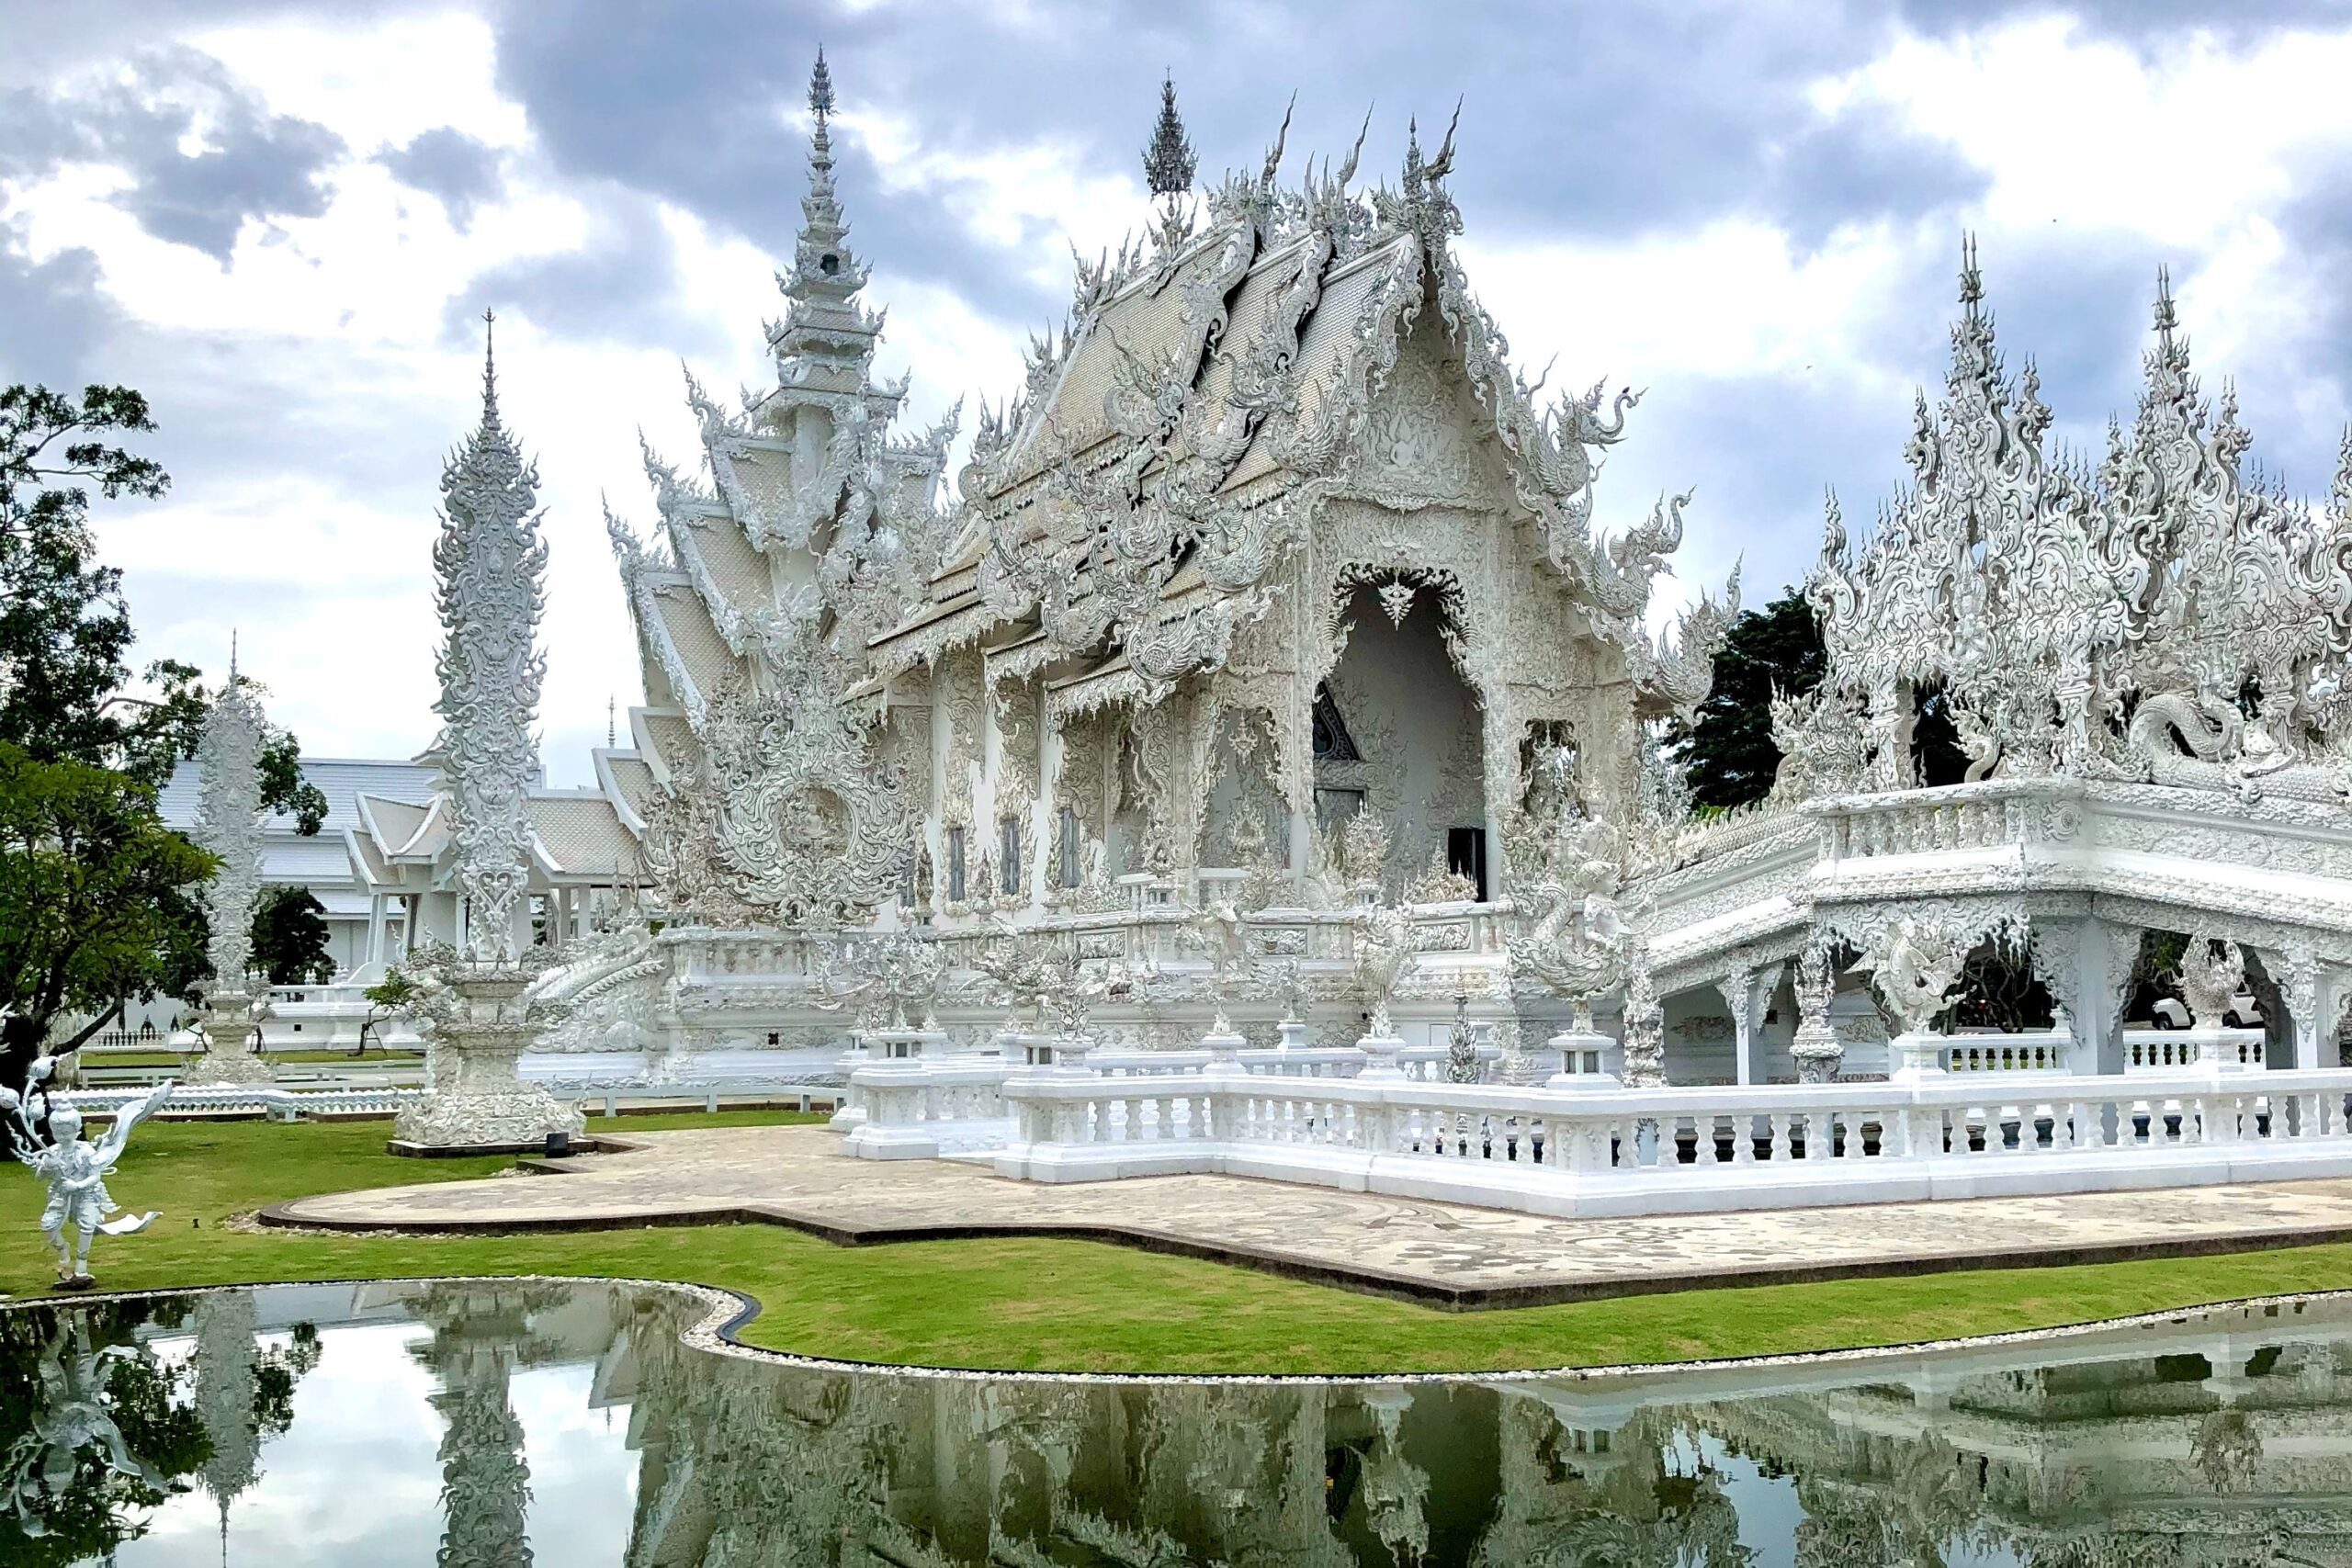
334 326
375 85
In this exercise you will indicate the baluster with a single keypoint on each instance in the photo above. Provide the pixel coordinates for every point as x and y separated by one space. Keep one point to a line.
1780 1135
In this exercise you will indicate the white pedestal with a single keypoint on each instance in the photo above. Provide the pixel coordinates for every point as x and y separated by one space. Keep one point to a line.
229 1020
1587 1059
475 1099
1915 1054
1380 1053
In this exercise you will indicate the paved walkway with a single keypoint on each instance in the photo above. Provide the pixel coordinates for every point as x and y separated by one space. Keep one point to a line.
1449 1254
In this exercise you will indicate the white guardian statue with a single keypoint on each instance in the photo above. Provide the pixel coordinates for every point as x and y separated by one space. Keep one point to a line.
75 1171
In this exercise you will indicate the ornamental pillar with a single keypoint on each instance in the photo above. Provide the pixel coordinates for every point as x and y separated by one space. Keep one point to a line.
1891 724
228 823
2314 994
489 563
1746 992
2086 963
1816 1050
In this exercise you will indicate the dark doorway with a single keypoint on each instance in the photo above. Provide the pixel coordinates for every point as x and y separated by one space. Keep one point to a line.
1465 855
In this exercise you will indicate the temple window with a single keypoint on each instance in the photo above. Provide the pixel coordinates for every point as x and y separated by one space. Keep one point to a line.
1009 853
956 865
1332 741
1334 805
1069 868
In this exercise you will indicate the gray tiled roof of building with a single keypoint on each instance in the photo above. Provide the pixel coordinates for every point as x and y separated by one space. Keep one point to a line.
338 778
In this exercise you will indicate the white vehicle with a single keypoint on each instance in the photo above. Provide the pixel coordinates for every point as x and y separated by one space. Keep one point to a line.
2171 1013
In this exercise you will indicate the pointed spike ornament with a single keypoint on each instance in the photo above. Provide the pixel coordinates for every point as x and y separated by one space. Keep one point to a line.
1168 160
820 90
489 565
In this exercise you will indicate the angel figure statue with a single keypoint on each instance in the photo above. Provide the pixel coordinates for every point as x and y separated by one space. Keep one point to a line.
76 1173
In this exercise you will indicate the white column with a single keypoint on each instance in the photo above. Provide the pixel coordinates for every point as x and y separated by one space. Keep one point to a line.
375 928
1734 988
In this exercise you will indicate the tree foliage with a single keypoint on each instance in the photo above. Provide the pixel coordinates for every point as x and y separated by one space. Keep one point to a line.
290 937
65 632
83 1510
1726 749
97 899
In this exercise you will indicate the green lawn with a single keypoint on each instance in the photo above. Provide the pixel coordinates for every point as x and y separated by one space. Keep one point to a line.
1051 1303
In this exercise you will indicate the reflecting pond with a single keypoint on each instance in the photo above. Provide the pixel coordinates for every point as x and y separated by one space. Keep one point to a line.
499 1423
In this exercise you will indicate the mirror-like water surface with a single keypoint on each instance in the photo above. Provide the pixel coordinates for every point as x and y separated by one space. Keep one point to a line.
503 1423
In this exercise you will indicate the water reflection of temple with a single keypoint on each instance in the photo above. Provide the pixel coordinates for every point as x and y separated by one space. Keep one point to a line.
2210 1441
2217 1438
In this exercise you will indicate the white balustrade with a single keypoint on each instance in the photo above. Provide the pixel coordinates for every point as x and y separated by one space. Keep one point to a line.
2169 1050
921 1108
954 1102
2037 1051
1687 1150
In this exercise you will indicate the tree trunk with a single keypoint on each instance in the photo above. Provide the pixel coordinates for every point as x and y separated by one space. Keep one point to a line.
20 1038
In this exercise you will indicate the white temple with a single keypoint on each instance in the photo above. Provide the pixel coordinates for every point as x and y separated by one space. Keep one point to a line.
1271 702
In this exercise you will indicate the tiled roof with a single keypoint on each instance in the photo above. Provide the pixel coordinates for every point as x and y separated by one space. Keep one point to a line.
581 833
634 778
396 821
340 779
708 660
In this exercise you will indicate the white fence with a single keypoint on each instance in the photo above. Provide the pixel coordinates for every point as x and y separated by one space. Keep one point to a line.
923 1106
1573 1151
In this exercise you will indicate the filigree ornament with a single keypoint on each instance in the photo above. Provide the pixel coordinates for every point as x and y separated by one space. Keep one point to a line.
1381 952
1041 974
1215 932
489 566
2213 974
228 824
1577 946
1915 966
2154 618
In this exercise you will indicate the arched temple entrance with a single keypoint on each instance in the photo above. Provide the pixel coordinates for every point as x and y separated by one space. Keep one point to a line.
1397 730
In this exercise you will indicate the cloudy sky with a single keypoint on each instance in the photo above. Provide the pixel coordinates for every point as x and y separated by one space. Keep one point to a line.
283 222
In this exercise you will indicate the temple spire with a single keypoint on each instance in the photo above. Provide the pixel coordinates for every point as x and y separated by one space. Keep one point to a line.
826 339
488 372
1169 160
820 205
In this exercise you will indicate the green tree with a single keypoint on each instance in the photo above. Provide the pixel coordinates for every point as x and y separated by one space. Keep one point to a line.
290 937
386 999
97 899
65 632
1726 749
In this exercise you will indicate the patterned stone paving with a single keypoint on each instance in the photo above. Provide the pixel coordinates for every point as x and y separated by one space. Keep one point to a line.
1448 1253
